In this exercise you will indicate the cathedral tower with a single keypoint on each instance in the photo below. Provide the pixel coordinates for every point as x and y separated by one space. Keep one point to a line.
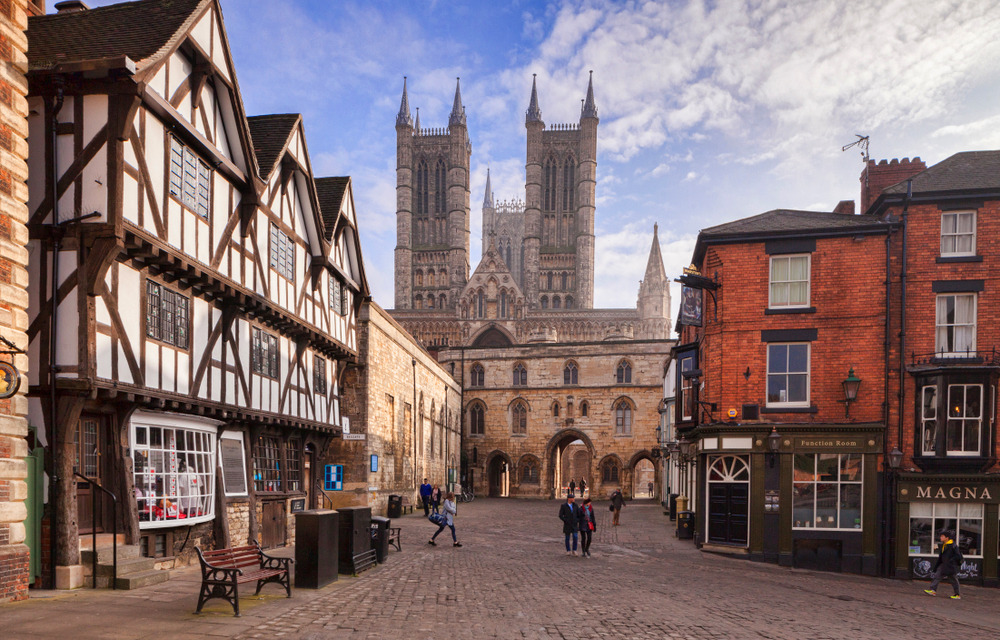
432 209
560 193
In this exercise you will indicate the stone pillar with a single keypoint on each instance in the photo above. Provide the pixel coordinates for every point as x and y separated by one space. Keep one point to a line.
13 296
532 212
404 217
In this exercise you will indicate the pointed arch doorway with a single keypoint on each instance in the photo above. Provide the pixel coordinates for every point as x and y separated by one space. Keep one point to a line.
569 455
498 478
728 500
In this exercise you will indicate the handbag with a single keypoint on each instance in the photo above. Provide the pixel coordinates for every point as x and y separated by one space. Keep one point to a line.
611 507
438 519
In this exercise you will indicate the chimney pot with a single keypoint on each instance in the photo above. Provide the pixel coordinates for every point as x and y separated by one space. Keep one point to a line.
71 6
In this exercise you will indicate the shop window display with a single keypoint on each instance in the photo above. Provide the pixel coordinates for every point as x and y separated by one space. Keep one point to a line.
826 491
929 519
174 475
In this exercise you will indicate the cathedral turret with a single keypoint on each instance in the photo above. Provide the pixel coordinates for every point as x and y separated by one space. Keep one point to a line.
488 196
589 107
533 114
654 295
531 265
416 127
457 117
403 117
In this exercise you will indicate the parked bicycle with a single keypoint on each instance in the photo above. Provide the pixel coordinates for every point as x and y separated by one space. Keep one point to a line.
466 495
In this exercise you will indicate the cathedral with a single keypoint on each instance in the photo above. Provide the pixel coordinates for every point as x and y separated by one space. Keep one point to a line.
553 389
535 279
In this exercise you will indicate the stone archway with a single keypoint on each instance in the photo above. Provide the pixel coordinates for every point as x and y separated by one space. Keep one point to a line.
555 467
499 468
640 471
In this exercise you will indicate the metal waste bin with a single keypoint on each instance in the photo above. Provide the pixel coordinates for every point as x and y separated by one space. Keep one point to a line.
316 548
395 509
380 538
685 525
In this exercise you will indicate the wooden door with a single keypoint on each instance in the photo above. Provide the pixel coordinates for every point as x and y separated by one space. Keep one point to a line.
88 449
272 530
728 512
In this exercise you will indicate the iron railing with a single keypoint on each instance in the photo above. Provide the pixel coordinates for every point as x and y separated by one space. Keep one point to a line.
93 530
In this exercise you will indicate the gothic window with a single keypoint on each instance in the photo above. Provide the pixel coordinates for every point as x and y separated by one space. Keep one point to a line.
570 373
555 409
503 304
419 278
609 472
421 207
569 184
481 305
624 373
556 302
549 185
569 302
442 301
477 420
529 472
548 281
565 281
584 409
545 302
439 186
623 417
418 302
430 302
478 375
430 277
520 375
519 419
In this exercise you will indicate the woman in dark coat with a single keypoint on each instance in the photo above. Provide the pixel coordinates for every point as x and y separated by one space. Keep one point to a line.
588 525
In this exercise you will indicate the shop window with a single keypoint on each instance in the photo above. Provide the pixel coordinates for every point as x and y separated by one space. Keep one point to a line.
282 253
623 417
319 375
520 375
166 315
623 374
267 464
570 373
265 353
956 325
788 375
190 178
789 281
826 491
477 375
958 233
477 420
174 471
293 465
929 519
519 419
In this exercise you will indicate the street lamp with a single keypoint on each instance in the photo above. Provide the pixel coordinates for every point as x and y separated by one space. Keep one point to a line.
773 444
851 385
895 458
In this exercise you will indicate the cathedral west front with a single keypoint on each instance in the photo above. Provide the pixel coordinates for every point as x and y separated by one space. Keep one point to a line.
541 368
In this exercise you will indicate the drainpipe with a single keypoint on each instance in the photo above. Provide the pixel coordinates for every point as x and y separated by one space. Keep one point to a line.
413 421
902 316
53 433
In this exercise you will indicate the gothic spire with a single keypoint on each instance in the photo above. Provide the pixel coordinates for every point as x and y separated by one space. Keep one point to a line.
488 198
403 117
655 273
416 127
533 114
589 107
457 110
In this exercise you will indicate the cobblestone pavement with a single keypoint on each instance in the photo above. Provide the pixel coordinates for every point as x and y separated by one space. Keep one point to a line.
512 579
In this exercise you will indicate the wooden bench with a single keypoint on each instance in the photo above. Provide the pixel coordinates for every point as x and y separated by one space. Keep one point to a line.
394 537
406 503
223 570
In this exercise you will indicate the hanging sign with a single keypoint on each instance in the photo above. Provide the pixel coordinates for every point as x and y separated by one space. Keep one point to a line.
10 380
690 307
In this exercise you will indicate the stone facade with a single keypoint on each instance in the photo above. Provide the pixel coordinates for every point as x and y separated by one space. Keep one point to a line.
609 405
14 554
396 374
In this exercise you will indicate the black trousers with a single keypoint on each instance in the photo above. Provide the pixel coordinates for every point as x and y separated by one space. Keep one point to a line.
427 504
586 535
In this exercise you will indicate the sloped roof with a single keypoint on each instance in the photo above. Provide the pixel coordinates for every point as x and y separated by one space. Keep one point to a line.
270 134
788 220
135 29
330 192
965 171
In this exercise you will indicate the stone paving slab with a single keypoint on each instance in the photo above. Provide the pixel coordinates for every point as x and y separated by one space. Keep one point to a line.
512 579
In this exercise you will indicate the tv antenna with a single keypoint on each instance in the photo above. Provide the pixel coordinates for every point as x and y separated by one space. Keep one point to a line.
861 143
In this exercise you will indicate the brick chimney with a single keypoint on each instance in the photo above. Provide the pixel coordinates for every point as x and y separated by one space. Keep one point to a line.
845 207
70 6
877 177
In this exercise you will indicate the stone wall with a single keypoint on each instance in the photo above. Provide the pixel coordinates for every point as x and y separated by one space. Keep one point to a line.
13 296
238 514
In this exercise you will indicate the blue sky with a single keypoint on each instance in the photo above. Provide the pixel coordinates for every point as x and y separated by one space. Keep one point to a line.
710 111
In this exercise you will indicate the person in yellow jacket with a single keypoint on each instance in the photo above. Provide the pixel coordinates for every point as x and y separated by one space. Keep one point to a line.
948 564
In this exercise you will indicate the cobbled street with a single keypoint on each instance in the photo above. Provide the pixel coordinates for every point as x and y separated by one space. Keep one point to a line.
512 579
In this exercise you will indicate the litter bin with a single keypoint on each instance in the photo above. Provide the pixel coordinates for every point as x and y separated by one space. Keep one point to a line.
685 525
316 548
395 509
380 538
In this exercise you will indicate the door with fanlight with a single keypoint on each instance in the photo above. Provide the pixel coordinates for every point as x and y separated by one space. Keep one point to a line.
728 500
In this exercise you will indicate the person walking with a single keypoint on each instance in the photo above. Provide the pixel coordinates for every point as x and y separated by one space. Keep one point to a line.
650 486
435 499
617 502
572 486
583 488
569 513
450 511
588 525
949 561
425 497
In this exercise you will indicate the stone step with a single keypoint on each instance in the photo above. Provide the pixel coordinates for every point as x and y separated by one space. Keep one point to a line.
105 554
103 540
125 567
135 580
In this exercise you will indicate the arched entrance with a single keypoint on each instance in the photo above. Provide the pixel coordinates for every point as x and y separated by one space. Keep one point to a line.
728 500
569 454
498 477
644 479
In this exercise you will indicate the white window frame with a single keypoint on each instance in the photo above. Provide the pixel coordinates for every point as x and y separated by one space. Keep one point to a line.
958 517
687 387
840 483
953 237
772 283
171 475
962 419
928 419
941 324
807 372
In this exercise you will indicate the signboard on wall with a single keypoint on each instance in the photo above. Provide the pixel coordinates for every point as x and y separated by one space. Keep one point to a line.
691 308
234 472
299 504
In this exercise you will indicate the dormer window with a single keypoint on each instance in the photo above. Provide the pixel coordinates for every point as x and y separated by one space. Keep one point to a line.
190 178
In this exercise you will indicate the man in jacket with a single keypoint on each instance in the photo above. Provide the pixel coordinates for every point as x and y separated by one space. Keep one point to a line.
949 561
425 497
617 501
569 513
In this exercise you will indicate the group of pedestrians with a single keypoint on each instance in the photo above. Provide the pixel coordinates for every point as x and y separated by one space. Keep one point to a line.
430 496
571 488
579 522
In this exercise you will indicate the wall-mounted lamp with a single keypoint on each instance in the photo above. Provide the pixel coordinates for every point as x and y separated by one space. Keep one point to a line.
895 458
851 385
773 445
684 446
